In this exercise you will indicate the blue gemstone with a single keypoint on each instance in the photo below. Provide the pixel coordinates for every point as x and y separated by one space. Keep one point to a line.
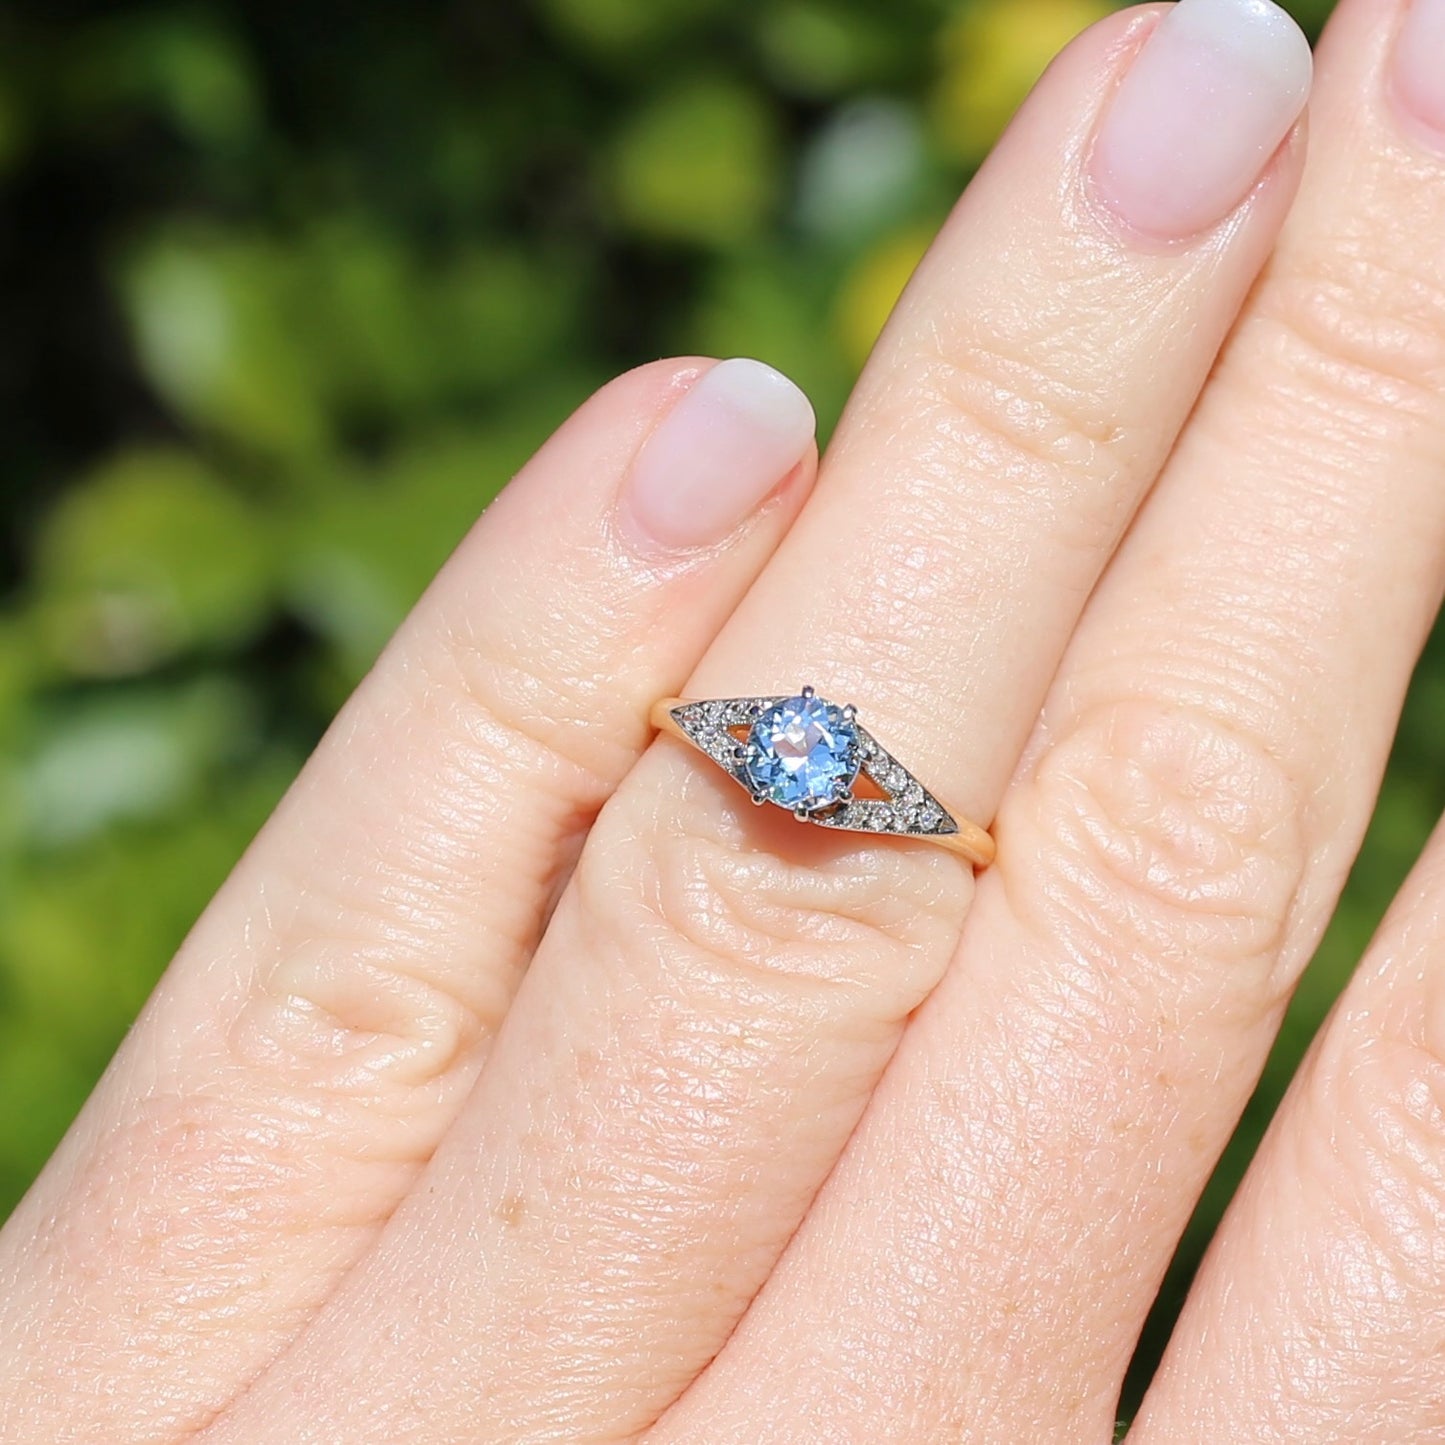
801 753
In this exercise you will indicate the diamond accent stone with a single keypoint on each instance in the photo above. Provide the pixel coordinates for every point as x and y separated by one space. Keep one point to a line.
802 753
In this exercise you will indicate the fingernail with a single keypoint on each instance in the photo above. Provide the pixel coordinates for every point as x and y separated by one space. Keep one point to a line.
714 458
1195 121
1419 65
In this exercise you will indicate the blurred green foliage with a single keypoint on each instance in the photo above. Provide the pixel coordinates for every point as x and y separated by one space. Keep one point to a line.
287 293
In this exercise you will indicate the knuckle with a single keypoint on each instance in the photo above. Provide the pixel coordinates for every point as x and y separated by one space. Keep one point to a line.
525 707
367 1013
1160 838
1378 1115
1009 409
381 1040
369 983
1360 332
686 878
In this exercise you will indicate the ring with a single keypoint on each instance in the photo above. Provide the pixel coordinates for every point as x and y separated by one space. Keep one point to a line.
816 760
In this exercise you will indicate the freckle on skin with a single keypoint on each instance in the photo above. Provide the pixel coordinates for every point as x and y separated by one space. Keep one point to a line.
513 1210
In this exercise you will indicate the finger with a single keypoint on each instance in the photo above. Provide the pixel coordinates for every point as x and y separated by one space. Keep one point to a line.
1319 1312
1169 853
1322 1300
720 988
319 1029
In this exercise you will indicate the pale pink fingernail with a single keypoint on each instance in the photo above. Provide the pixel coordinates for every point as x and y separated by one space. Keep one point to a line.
715 457
1202 109
1420 65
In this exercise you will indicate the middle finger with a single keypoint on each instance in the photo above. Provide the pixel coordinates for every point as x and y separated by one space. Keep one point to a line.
720 989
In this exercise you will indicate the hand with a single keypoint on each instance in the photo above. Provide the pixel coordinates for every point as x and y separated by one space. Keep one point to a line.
1130 537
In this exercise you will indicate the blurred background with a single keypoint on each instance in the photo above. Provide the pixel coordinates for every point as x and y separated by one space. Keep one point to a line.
288 290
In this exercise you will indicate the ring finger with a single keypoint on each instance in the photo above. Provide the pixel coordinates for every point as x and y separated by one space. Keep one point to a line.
720 989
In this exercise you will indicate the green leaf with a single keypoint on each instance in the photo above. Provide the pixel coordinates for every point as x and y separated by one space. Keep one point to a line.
698 163
120 755
622 30
147 557
220 329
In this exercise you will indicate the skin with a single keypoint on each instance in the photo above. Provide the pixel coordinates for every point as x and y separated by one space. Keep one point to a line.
721 1129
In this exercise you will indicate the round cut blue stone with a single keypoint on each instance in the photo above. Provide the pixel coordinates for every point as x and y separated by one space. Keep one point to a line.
801 753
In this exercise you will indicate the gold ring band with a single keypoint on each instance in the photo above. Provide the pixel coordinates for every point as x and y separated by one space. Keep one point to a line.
817 761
